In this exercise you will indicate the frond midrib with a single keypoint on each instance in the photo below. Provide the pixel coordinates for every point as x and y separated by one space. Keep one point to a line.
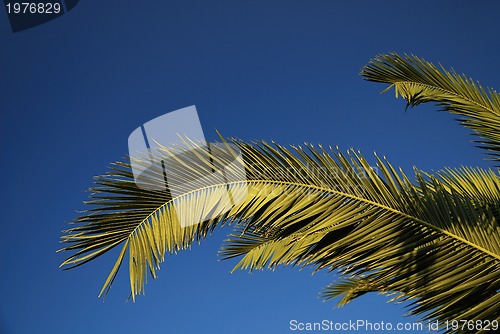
332 191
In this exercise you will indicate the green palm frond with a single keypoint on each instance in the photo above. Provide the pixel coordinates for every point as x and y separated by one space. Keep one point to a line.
482 185
319 207
419 81
426 242
350 289
433 240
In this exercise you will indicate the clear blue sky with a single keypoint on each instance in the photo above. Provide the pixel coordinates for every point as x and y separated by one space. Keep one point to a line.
72 90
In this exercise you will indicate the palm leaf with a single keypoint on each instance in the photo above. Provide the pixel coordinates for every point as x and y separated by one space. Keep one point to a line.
431 243
482 185
419 81
349 289
311 206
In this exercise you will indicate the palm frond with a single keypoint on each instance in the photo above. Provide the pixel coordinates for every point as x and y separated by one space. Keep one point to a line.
427 241
482 185
349 289
431 243
419 81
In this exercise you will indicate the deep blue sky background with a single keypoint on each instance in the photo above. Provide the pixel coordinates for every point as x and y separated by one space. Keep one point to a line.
72 90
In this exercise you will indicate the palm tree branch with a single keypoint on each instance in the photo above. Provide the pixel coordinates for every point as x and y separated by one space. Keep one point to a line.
419 81
301 208
385 208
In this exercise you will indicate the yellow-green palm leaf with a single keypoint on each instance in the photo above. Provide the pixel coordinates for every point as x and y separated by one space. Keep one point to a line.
433 239
419 81
322 208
